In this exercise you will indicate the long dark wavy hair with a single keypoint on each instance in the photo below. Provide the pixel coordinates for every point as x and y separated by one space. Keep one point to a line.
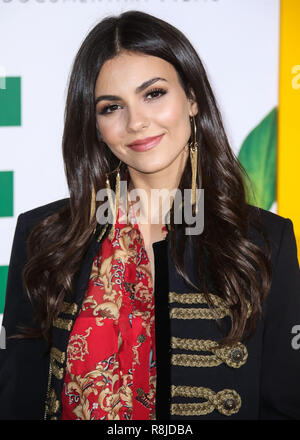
57 245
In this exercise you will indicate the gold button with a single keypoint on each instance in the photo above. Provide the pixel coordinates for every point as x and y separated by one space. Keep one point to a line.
229 404
236 354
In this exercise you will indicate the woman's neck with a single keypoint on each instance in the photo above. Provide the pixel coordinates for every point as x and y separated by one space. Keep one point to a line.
157 188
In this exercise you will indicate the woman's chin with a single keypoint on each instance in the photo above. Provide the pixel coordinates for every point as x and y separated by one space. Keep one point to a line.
149 167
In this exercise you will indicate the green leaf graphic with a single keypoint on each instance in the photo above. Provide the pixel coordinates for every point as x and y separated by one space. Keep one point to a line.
258 157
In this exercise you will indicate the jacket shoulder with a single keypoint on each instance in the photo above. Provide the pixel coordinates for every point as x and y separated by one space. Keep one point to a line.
36 215
273 224
276 228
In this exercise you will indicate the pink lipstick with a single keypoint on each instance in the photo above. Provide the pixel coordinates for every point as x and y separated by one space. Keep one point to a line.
145 144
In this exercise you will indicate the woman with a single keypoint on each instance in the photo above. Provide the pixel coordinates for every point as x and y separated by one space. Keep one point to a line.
115 321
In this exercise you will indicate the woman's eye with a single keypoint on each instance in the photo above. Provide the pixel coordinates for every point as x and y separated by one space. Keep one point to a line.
109 109
154 91
104 111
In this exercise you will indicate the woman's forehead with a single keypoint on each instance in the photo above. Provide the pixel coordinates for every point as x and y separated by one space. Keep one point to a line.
132 70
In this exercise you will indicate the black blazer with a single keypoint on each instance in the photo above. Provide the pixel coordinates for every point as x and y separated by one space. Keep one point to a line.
254 380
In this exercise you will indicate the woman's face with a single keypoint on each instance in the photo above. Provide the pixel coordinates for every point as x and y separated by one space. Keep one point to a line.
136 114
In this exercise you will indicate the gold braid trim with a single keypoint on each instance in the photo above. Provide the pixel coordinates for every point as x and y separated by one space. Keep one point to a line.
191 409
65 324
194 344
193 313
186 391
53 404
234 356
199 298
194 298
195 360
58 355
69 308
227 401
58 372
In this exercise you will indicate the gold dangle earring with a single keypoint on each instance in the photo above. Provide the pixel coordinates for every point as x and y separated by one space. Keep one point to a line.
93 203
193 158
114 209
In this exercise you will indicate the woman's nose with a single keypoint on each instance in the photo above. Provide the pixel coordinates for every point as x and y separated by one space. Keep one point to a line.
136 120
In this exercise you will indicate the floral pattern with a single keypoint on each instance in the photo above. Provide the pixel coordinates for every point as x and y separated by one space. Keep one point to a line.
111 361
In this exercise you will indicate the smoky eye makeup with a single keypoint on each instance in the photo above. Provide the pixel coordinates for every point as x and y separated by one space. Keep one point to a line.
156 93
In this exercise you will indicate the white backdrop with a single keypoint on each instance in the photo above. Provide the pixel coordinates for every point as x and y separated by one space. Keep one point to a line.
237 40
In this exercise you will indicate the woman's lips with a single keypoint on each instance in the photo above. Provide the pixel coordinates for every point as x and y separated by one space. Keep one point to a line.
147 145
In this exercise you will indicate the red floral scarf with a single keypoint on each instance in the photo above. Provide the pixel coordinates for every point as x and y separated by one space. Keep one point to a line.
111 360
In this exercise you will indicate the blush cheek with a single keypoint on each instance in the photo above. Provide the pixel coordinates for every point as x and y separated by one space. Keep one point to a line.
171 115
174 120
109 134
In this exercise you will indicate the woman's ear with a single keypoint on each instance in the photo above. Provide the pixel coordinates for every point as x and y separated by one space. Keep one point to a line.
193 106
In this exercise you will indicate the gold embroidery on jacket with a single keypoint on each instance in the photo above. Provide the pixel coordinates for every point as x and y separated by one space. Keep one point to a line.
65 324
234 356
52 404
226 401
58 355
195 313
218 312
48 391
69 308
194 298
58 372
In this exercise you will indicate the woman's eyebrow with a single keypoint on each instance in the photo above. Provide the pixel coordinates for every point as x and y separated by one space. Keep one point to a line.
137 90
